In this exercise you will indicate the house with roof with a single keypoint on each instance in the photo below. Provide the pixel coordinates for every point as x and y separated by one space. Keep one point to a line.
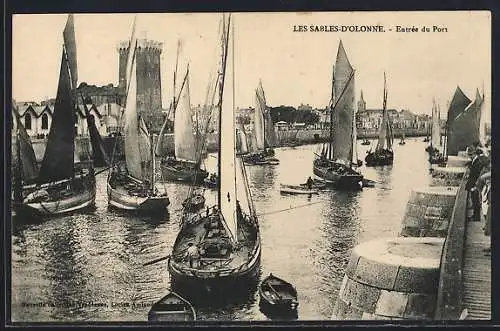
35 118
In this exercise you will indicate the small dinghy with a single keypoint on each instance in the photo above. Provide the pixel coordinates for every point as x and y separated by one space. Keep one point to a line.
212 181
172 307
277 295
194 202
297 189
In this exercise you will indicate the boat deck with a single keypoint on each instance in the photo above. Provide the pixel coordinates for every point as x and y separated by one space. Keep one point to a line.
208 234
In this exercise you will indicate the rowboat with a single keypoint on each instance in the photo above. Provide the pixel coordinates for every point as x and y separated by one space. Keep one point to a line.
172 307
277 295
297 189
194 202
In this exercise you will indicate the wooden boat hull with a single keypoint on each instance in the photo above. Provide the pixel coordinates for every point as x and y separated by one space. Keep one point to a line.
349 180
210 183
73 203
270 303
180 173
297 189
125 201
373 159
172 307
194 280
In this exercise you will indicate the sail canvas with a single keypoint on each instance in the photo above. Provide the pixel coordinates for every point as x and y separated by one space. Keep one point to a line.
436 128
184 137
58 159
454 136
227 151
258 123
27 160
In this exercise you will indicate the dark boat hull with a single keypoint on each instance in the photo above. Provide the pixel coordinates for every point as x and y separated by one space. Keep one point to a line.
72 201
148 204
196 203
379 159
178 171
332 178
195 281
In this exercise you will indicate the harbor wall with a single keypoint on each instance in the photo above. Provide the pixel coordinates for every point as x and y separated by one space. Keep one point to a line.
82 147
435 288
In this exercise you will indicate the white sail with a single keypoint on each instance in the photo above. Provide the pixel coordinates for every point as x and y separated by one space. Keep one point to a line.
227 150
243 195
134 136
436 128
184 138
242 141
258 123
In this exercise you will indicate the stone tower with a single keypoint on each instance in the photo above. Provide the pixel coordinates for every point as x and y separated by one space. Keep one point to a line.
361 104
148 76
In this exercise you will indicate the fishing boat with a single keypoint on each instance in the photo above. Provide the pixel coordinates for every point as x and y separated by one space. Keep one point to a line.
131 184
222 245
172 307
64 183
262 151
435 149
277 295
338 160
185 164
383 154
241 141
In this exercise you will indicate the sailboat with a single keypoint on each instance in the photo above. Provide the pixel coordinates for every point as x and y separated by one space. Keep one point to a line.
381 155
435 149
64 183
241 141
185 165
225 238
262 152
338 160
402 141
131 184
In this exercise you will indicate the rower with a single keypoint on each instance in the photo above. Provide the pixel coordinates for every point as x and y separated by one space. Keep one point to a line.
309 182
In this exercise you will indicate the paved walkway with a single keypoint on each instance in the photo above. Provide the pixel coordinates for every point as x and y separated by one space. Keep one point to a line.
477 273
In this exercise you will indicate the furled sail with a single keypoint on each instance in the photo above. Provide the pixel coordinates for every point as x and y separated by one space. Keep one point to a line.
26 159
227 141
436 128
269 133
258 123
59 155
354 152
454 140
384 126
184 138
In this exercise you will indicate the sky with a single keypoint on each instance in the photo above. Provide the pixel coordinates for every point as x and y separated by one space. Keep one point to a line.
295 67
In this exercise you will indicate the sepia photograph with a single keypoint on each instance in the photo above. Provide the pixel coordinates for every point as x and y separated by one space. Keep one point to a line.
250 166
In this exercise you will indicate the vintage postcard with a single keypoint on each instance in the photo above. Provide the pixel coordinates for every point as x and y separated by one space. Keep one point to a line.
193 167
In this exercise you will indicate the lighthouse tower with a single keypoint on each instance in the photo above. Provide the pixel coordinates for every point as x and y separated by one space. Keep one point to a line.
148 54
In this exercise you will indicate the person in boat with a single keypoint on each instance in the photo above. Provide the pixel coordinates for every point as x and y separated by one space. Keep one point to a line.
239 212
309 183
192 254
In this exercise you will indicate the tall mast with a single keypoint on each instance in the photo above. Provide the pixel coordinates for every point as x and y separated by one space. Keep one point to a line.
222 74
332 103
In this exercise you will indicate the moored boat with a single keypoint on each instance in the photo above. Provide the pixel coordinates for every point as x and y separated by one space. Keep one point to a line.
131 184
297 189
435 147
185 164
277 295
220 247
64 183
383 154
172 307
212 181
262 150
194 202
338 160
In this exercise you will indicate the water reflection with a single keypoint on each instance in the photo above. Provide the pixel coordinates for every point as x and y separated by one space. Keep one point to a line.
97 257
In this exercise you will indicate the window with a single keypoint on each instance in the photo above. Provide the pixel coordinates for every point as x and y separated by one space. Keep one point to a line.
27 121
45 122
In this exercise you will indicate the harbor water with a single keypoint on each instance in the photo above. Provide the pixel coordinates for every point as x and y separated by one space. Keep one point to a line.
89 266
